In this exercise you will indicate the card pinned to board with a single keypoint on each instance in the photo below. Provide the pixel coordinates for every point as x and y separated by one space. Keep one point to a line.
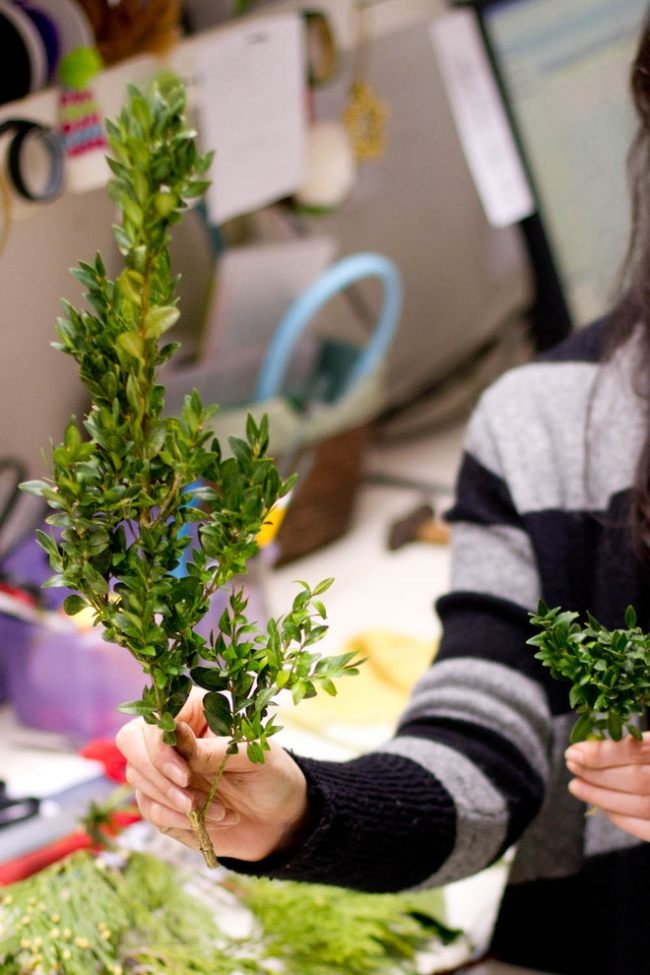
251 108
481 121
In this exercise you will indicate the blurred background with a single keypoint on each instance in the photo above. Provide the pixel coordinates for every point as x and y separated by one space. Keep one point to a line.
481 290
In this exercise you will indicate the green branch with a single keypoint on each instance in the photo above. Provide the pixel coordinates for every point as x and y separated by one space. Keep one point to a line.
125 497
609 670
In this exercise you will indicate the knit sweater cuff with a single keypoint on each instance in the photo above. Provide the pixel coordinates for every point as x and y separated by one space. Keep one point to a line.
380 823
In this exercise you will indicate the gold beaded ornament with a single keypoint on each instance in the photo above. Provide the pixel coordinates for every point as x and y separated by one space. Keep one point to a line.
366 115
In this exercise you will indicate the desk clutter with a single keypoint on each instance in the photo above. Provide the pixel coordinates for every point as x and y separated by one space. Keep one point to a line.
134 911
40 33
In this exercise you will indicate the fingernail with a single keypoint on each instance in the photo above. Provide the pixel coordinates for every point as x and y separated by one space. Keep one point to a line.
175 773
181 800
573 754
216 812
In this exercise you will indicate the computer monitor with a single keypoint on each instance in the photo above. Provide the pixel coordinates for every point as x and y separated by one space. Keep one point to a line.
563 68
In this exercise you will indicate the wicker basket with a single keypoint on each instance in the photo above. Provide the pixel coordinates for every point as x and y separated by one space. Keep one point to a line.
322 504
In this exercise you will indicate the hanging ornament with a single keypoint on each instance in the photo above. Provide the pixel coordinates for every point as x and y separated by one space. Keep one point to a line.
366 115
330 168
330 165
81 121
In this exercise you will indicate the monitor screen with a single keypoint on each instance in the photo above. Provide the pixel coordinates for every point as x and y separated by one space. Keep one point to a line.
564 68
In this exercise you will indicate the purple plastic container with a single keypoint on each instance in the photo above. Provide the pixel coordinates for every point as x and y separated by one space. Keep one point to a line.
72 683
14 637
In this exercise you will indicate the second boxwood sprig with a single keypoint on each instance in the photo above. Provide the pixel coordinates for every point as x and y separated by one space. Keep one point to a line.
609 670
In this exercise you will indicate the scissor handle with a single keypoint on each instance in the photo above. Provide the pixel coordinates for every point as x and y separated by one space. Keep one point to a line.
347 271
20 473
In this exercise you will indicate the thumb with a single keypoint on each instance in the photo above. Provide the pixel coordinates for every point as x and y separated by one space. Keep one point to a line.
208 754
185 741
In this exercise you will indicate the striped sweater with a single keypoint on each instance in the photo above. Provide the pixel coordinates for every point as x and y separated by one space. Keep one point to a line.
476 764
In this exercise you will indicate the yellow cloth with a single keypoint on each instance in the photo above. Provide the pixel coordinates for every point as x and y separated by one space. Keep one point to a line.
379 692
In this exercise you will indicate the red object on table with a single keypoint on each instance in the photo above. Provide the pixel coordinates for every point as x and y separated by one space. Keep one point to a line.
29 863
105 751
107 754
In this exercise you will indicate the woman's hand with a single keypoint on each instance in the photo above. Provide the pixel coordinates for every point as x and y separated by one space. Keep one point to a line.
614 776
258 809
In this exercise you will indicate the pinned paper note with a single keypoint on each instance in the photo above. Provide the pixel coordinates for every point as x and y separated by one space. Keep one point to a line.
481 120
252 111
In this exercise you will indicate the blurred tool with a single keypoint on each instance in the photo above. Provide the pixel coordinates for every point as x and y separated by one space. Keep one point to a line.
392 480
16 810
419 525
12 472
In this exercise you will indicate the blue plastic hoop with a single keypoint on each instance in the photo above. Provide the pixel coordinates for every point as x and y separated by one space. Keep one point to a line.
337 277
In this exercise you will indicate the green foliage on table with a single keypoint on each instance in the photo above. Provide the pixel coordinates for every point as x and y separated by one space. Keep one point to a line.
609 670
133 913
129 482
325 930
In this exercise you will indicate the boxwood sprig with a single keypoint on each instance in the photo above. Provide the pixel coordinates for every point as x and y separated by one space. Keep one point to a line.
129 483
609 670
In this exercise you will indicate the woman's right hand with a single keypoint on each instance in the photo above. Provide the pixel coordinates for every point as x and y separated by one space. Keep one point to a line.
258 809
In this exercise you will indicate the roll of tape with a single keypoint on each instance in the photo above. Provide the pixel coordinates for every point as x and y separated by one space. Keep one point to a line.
16 82
6 210
23 131
322 55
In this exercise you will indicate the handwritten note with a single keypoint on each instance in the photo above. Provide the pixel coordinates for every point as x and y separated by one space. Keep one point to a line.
252 111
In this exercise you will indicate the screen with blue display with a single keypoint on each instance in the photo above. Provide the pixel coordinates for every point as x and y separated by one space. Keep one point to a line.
564 67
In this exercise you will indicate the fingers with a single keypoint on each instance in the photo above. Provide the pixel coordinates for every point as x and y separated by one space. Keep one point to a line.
167 794
614 776
153 777
637 827
192 711
165 817
144 750
632 778
208 757
606 753
151 768
611 801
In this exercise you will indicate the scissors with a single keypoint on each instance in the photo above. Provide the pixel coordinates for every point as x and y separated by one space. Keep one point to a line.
16 810
12 473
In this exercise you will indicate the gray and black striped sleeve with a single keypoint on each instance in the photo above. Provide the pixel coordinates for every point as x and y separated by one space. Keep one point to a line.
465 771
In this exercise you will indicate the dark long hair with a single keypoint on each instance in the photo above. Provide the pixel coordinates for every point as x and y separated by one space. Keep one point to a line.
634 306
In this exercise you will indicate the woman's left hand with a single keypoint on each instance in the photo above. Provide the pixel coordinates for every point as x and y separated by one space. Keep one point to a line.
614 776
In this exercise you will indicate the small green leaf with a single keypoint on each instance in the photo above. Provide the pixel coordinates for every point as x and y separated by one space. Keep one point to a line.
218 713
323 586
38 488
139 708
614 726
209 678
582 728
131 284
255 753
160 320
74 604
132 343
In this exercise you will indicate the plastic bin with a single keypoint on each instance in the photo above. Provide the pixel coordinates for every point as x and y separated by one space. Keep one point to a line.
72 682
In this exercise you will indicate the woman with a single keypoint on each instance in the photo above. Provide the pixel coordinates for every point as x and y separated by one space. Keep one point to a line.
553 501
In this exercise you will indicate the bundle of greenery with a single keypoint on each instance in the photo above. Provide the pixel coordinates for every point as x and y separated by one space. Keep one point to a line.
609 670
133 914
129 482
